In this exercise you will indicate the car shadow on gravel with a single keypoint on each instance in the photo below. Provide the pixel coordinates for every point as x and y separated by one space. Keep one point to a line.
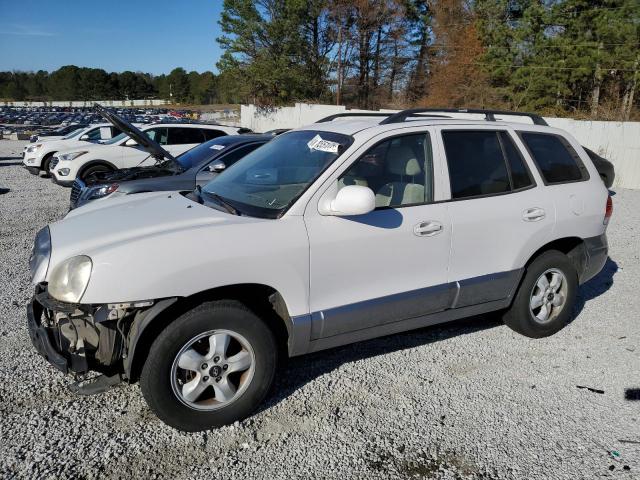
595 287
298 371
10 164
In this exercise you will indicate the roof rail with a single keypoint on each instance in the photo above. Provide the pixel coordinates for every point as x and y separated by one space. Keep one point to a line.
489 115
354 114
371 114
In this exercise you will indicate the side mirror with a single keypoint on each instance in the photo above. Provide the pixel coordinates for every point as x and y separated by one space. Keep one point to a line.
217 167
84 137
352 200
130 143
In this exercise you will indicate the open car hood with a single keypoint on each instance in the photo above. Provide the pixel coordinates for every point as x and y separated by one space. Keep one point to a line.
143 140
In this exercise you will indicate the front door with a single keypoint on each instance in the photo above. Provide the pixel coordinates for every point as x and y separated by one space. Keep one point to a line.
390 264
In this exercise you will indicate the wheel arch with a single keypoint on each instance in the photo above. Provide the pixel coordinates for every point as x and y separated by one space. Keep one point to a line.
93 163
263 300
46 158
572 247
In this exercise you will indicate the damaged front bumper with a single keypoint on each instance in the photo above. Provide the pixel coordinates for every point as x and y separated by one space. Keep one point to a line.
79 338
76 338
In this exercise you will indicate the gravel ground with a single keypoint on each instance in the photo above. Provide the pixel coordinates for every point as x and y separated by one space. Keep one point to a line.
469 399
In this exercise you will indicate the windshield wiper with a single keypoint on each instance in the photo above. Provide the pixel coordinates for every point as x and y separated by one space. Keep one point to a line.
227 206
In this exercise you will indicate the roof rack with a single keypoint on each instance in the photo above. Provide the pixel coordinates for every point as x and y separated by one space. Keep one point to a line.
371 114
354 114
489 115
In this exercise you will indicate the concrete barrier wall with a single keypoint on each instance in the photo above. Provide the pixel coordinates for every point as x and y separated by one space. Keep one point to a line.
619 142
106 103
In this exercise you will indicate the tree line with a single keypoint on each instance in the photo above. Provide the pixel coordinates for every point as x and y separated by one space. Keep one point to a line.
551 56
75 83
556 57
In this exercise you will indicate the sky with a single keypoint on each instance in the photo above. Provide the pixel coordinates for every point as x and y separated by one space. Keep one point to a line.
151 36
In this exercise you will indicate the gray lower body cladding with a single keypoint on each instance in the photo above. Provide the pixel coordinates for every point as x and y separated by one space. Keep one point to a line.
79 338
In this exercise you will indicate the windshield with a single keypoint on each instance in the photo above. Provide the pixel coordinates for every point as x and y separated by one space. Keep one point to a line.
268 180
73 134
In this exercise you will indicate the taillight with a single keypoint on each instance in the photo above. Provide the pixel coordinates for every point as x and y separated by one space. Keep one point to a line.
608 211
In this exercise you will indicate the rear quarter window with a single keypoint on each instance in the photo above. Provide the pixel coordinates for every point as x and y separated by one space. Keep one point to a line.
211 134
555 158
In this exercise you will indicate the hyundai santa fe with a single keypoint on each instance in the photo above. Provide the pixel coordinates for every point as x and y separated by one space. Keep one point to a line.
334 233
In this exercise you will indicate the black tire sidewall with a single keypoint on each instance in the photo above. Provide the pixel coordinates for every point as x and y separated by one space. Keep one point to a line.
46 161
91 169
519 316
155 379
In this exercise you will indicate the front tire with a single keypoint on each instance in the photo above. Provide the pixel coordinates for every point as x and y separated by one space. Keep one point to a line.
544 302
89 172
210 367
46 161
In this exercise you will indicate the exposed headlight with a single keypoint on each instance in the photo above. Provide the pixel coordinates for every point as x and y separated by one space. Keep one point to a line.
70 156
33 148
69 279
101 191
40 255
63 172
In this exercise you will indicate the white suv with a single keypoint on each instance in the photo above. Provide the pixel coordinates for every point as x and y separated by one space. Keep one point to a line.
37 156
330 234
124 152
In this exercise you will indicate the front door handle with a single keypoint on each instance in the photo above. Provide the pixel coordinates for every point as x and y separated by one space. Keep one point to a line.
427 229
533 214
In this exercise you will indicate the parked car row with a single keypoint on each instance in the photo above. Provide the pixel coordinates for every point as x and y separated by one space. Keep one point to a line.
194 274
103 148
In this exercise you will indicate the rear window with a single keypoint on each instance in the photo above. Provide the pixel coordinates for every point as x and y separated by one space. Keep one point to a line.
557 161
520 177
211 134
476 163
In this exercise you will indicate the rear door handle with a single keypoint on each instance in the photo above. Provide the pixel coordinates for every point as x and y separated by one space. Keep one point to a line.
427 229
533 214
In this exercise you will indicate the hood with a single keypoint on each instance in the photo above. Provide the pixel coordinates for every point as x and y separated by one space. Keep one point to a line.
99 224
160 244
143 140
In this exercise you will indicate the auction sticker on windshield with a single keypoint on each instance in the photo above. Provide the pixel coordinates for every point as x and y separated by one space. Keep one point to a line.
318 143
216 147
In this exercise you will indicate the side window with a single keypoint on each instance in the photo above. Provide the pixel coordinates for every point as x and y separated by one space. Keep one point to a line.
115 132
182 136
557 161
398 170
235 155
211 134
476 163
93 135
159 135
520 177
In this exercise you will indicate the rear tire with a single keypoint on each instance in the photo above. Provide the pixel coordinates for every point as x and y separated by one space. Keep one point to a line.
87 173
210 367
545 299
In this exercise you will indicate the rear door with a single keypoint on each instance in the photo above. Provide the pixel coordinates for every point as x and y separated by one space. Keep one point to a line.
137 155
498 208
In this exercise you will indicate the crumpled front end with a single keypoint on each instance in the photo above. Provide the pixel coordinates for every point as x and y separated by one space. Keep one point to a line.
77 338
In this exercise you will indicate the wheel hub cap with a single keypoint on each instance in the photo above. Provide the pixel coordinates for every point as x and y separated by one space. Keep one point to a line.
212 370
548 296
